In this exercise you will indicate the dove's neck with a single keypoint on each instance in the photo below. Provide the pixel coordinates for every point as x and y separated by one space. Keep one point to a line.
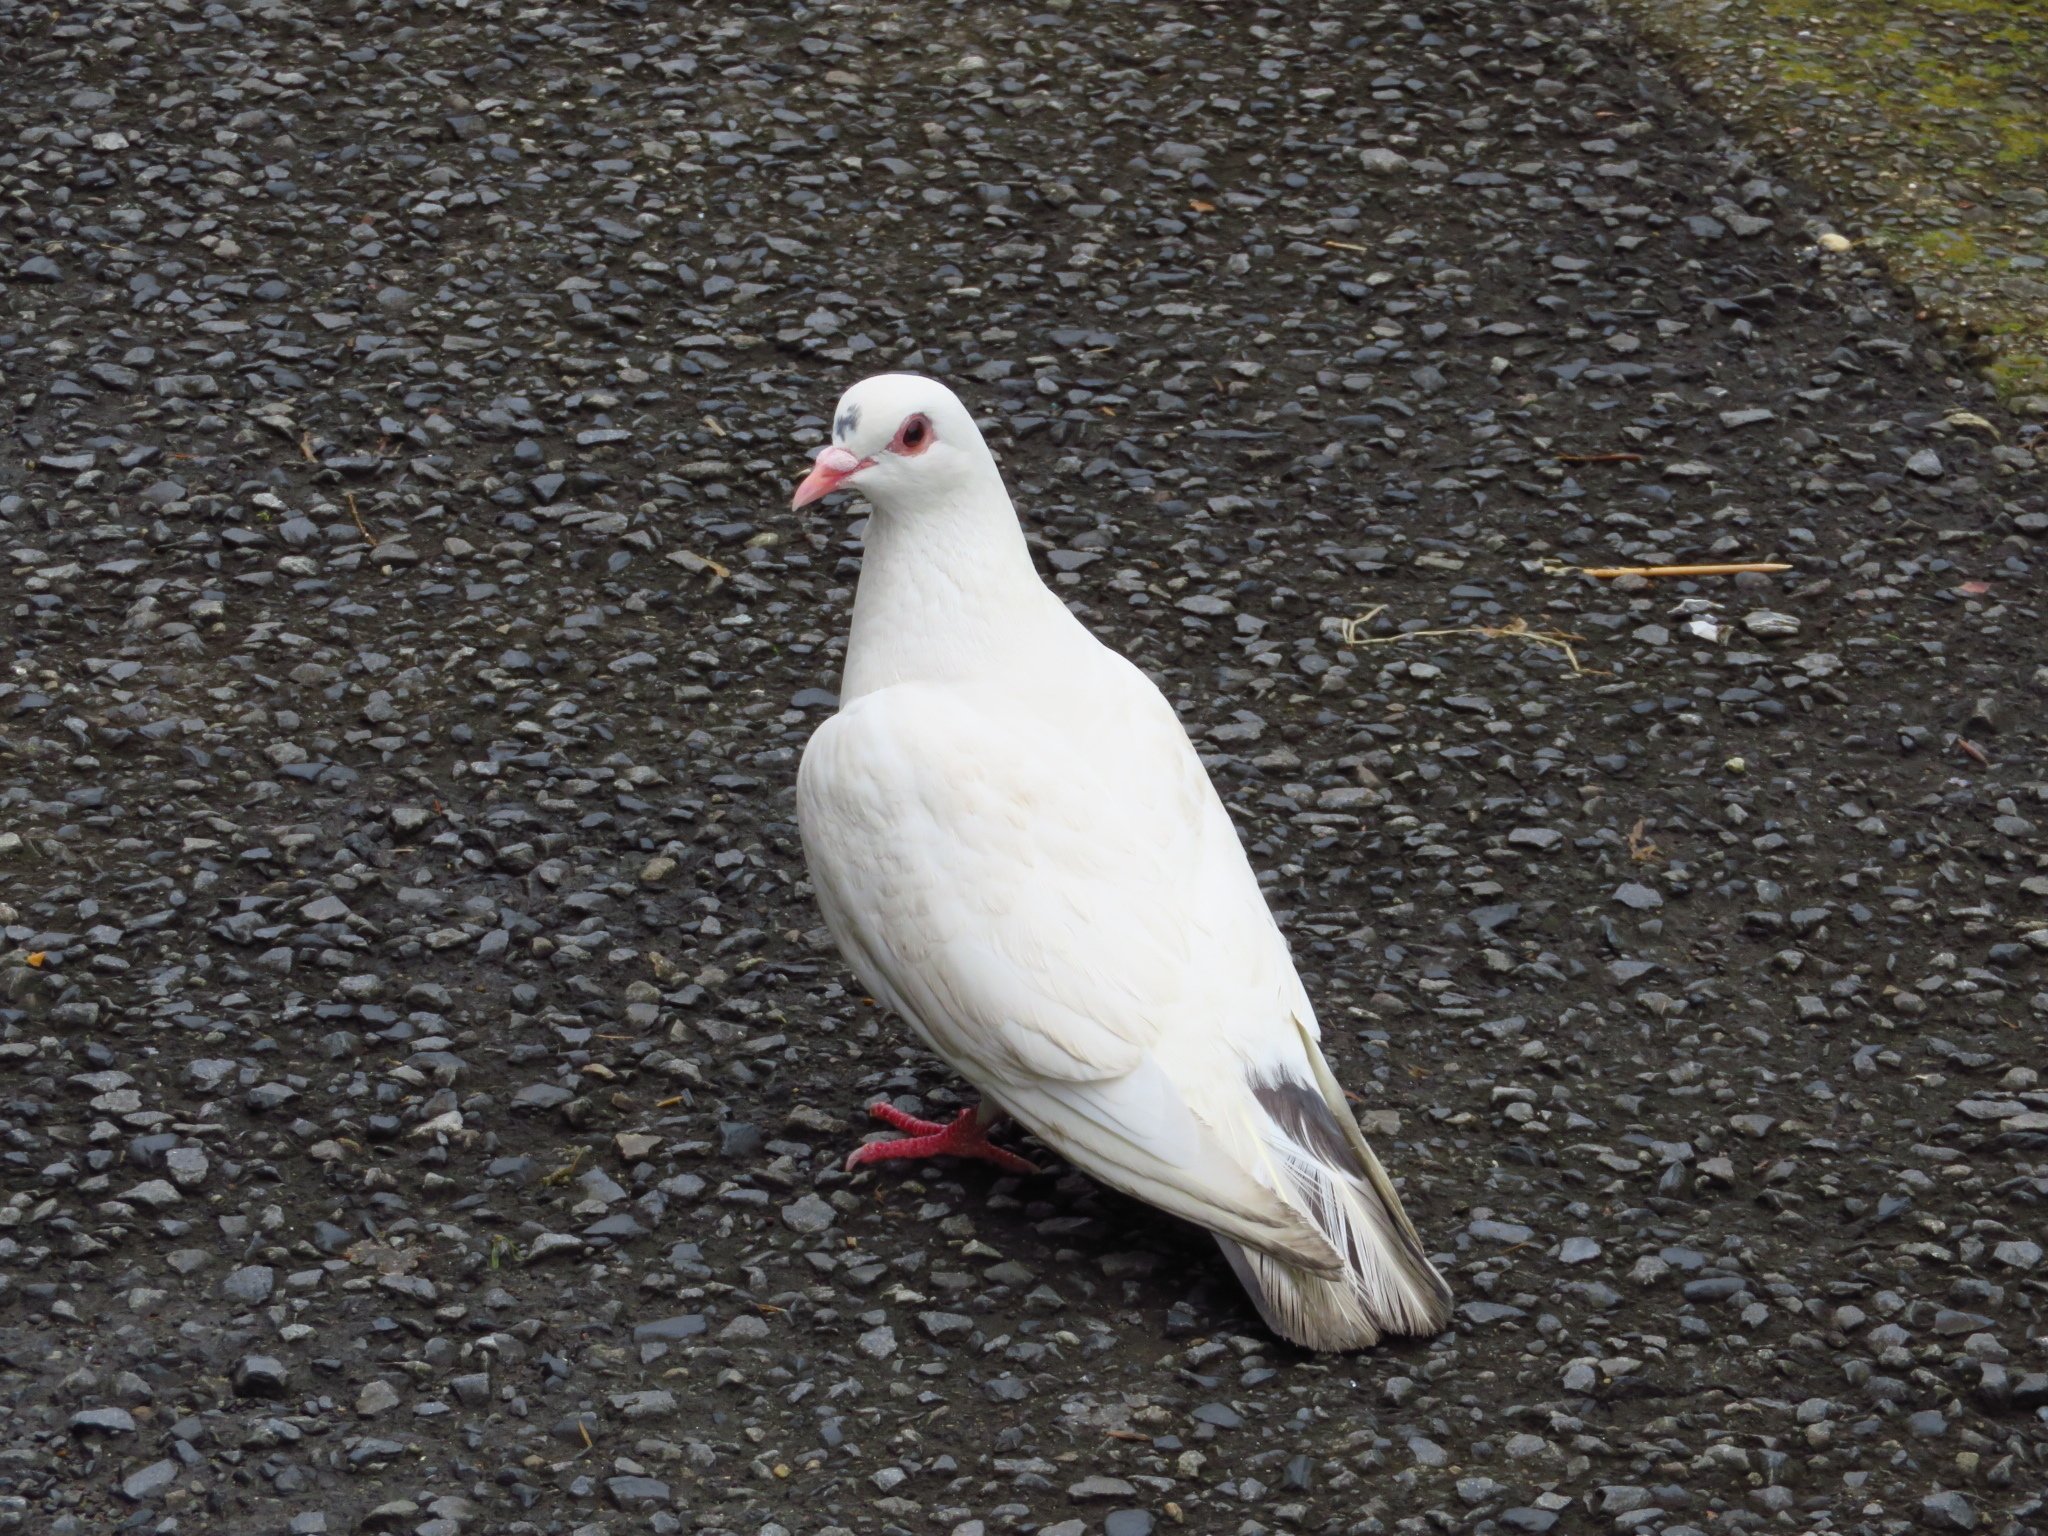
947 591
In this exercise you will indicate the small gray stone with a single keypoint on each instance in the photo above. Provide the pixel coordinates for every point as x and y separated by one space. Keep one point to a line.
1100 1487
208 1073
600 1186
1427 1452
472 1391
260 1376
1716 1288
808 1214
103 1421
1948 1510
550 1244
251 1285
644 1405
1486 1229
137 1487
1622 1499
636 1492
1485 1312
687 1325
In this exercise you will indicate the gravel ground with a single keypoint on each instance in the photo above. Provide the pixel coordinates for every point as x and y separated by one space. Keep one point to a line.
426 1078
1927 120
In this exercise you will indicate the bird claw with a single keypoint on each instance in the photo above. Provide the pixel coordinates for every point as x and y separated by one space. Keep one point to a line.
964 1136
897 1119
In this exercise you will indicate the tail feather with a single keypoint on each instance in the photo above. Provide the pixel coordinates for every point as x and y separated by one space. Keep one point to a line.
1330 1175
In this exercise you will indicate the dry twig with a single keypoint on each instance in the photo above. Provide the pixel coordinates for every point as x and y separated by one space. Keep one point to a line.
567 1171
1641 847
350 496
1353 633
689 560
1354 629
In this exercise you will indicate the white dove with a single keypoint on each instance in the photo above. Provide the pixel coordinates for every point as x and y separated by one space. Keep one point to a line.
1018 852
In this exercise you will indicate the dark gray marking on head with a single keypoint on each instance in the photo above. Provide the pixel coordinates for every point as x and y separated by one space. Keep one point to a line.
848 420
1299 1110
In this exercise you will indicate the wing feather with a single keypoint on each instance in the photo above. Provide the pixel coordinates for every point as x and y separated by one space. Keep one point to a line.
1054 898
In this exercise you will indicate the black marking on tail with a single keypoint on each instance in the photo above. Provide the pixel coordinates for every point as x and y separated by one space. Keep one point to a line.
1307 1118
1300 1111
1304 1115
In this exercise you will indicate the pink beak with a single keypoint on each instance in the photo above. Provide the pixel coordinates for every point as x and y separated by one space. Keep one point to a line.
832 468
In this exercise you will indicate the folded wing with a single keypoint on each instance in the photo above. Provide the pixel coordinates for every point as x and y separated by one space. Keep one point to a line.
1074 930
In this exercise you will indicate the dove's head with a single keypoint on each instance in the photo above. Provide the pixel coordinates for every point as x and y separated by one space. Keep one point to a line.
901 441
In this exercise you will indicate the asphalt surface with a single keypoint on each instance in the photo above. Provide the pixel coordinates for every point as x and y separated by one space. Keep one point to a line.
425 1077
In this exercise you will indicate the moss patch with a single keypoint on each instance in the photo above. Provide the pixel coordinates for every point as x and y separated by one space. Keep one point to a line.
1925 121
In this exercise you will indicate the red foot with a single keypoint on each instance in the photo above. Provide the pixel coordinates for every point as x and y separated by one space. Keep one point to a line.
965 1137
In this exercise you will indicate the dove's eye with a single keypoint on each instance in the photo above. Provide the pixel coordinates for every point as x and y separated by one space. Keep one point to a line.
913 437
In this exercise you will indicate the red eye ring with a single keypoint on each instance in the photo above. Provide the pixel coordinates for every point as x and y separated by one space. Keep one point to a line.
913 437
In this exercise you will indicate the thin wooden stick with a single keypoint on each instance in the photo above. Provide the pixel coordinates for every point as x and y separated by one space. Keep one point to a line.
350 497
1514 629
